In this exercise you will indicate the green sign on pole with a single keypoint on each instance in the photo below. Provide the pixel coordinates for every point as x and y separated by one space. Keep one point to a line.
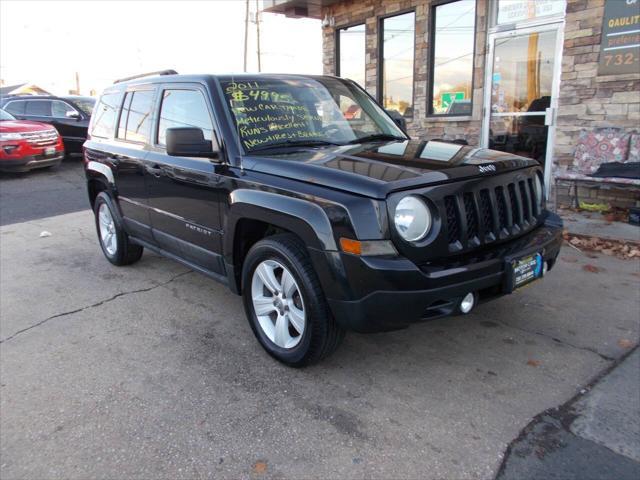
447 98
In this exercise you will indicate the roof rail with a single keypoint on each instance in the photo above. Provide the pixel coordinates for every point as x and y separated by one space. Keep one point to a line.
159 72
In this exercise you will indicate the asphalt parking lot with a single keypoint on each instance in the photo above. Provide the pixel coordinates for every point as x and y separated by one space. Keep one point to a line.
151 371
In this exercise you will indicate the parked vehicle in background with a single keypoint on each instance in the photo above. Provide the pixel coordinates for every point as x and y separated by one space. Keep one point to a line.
70 115
324 221
459 107
25 145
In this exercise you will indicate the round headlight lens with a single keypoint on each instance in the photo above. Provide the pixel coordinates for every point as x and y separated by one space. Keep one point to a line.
539 191
412 218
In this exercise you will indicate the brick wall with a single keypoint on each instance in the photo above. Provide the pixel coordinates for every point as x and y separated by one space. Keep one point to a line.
423 126
588 100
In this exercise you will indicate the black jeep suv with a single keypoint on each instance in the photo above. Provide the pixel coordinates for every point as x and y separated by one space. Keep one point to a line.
323 222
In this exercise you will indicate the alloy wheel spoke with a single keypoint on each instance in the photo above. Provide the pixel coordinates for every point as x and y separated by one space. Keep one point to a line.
263 305
104 218
282 337
268 277
296 317
288 284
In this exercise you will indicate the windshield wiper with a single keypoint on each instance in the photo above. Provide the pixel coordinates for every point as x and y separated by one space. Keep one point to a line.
376 136
294 143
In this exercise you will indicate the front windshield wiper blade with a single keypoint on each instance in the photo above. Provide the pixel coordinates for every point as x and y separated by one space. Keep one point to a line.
376 136
294 143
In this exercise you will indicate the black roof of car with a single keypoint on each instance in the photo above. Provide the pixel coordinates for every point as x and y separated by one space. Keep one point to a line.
198 78
70 98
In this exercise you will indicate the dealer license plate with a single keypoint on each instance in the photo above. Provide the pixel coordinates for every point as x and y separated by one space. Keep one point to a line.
50 150
526 269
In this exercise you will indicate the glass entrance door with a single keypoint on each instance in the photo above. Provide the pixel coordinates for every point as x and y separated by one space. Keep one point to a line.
522 95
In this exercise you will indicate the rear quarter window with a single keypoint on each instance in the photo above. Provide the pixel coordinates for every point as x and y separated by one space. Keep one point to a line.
104 115
16 107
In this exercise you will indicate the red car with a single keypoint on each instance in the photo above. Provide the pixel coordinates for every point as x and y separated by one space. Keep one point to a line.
26 145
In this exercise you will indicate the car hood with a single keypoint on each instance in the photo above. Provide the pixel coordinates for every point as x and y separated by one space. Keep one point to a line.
17 126
375 169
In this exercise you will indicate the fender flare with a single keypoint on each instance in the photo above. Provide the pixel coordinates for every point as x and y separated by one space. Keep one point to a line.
102 170
301 217
304 218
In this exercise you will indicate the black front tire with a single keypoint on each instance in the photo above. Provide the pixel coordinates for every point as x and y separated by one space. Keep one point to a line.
322 335
125 252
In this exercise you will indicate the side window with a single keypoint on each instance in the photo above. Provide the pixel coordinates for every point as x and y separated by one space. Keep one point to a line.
122 124
139 116
40 108
184 108
15 107
59 109
104 115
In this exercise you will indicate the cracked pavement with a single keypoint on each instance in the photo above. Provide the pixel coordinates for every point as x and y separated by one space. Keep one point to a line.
151 371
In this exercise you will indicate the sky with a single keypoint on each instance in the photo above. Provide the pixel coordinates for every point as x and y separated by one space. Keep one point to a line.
46 42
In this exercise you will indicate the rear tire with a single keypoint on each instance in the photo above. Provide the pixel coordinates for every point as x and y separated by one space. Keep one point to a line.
114 241
295 325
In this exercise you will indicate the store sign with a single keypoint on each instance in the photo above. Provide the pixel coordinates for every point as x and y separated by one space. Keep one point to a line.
448 98
620 46
514 11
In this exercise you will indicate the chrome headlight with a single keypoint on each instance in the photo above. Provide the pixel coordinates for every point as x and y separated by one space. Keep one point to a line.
412 218
539 188
10 136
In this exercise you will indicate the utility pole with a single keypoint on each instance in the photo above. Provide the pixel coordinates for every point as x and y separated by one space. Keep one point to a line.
258 32
246 33
77 83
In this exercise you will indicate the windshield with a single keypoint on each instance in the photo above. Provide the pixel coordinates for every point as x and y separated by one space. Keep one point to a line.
6 115
85 104
272 112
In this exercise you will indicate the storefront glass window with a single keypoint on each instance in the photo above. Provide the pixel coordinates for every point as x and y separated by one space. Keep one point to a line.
398 37
351 53
452 65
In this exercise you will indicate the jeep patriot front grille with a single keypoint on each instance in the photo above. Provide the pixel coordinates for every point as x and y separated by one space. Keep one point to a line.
474 218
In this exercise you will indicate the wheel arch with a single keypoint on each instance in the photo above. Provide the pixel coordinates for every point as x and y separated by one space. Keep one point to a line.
254 215
99 178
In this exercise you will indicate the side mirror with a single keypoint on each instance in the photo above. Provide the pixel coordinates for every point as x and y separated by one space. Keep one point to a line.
72 114
190 142
398 119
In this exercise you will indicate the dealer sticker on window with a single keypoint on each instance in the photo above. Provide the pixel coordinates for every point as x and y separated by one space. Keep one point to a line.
527 269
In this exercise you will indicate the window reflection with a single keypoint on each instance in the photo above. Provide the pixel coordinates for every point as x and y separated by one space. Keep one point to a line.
183 108
351 53
398 35
453 38
523 73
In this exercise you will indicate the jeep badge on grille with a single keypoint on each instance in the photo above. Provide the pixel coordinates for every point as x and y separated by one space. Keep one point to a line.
486 168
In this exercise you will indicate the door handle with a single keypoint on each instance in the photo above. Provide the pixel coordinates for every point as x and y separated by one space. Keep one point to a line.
155 170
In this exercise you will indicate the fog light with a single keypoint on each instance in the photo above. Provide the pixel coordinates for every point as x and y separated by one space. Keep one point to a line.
467 303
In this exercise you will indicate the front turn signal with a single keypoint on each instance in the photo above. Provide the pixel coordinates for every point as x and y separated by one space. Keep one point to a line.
367 247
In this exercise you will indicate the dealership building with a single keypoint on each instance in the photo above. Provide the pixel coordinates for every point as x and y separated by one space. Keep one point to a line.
548 79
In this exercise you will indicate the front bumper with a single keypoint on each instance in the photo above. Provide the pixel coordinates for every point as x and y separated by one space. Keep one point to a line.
393 293
31 162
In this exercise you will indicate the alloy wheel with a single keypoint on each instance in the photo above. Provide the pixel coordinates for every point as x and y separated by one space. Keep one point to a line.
278 304
108 235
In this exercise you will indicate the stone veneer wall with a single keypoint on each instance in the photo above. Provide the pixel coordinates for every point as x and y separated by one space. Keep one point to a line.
590 101
586 99
368 12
